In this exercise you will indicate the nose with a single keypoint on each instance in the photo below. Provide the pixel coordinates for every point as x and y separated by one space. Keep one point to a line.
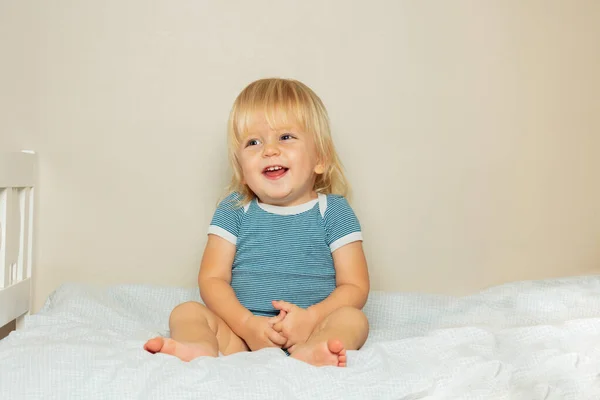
270 150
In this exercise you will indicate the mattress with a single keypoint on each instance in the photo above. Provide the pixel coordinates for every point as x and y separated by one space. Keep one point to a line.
526 340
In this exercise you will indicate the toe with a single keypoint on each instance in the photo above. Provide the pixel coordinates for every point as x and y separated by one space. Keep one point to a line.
154 345
335 346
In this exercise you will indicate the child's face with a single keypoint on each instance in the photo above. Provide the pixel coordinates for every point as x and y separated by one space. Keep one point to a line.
279 165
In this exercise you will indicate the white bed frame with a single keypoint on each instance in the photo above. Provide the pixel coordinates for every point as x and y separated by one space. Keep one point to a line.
17 195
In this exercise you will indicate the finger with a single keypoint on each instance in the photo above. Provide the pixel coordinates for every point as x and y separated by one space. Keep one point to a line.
271 344
278 327
277 318
292 348
282 305
276 338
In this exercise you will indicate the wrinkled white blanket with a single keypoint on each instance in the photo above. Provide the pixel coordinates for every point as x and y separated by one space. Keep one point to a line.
526 340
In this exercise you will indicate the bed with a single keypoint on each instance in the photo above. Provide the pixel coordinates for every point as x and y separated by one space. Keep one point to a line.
525 340
17 181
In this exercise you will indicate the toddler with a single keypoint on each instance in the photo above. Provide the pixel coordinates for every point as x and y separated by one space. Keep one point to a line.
283 265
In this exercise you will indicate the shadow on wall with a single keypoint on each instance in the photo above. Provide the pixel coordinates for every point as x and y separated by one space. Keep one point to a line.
6 329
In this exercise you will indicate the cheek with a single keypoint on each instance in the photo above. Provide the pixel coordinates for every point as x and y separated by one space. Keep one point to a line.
246 162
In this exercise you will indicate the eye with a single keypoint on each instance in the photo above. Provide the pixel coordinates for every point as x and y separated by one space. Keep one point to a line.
252 142
287 136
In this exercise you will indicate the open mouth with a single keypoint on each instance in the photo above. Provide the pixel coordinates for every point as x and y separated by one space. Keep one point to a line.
274 171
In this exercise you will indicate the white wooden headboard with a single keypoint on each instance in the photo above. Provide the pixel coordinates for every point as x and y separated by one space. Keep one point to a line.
17 194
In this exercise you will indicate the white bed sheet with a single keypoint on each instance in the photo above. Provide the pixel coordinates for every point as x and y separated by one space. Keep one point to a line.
526 340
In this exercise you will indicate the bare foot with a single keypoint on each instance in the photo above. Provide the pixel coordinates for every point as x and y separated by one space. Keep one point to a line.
331 352
185 352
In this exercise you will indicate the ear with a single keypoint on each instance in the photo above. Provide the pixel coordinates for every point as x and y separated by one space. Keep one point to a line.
319 169
322 164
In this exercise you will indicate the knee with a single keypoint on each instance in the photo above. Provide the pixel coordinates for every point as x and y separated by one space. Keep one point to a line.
356 315
350 315
188 310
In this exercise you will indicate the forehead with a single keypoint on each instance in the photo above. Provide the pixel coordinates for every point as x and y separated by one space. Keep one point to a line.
261 122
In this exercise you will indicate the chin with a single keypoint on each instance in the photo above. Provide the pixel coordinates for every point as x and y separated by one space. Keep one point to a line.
273 195
275 199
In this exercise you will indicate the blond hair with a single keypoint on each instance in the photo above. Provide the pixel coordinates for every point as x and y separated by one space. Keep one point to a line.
285 101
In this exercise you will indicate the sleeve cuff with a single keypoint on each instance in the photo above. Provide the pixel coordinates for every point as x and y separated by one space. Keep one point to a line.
217 230
344 240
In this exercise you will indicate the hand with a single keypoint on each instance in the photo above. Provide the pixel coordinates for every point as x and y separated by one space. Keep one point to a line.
259 332
297 325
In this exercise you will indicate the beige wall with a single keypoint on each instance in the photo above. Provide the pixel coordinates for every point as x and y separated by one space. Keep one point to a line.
470 129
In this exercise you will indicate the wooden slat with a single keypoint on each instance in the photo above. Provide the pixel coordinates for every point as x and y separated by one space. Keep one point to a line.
14 301
17 170
3 235
30 226
24 243
11 236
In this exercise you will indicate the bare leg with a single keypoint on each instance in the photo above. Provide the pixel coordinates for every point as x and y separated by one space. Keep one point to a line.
344 329
196 332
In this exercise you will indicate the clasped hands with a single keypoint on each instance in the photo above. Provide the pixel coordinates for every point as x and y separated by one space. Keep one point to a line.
292 326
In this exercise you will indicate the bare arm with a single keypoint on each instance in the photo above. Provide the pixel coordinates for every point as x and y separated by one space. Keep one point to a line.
214 281
352 281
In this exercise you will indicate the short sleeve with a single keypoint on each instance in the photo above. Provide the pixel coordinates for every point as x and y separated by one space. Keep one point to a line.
341 224
227 219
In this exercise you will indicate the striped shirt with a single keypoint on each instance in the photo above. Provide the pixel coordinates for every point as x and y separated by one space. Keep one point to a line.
284 253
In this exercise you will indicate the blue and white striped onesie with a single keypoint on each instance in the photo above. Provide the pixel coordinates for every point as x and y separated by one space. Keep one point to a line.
284 253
